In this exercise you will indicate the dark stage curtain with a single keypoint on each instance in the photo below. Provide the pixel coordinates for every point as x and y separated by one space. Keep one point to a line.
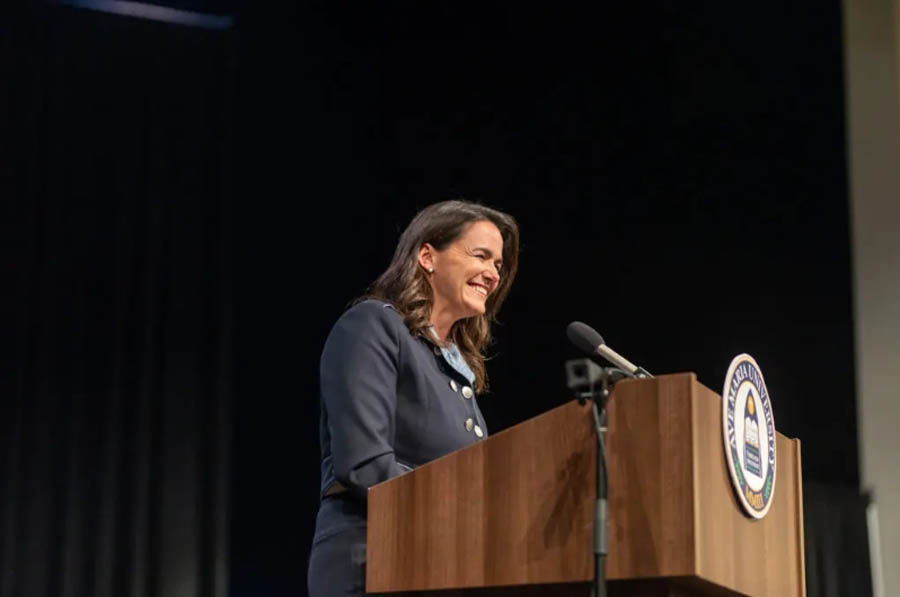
116 339
837 541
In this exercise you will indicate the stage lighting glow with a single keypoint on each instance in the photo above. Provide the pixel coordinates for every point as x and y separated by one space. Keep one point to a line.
154 12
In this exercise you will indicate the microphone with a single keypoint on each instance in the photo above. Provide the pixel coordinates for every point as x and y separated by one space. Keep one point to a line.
590 341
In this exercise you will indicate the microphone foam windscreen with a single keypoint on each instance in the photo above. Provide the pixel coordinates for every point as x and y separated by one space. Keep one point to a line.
584 336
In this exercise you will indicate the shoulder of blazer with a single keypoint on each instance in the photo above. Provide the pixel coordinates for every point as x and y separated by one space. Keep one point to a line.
372 314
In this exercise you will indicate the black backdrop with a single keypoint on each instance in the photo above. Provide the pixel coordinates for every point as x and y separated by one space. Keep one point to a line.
678 172
117 314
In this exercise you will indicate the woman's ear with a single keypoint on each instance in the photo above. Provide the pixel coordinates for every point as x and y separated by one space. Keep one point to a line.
426 257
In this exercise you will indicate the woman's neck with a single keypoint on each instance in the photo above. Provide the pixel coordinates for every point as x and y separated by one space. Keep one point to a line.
442 320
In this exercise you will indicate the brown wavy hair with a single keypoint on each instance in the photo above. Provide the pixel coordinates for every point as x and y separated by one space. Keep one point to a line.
405 286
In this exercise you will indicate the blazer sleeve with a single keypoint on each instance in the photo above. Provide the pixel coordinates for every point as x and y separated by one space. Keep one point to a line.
358 374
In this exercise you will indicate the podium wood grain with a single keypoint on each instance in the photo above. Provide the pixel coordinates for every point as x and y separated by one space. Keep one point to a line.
516 509
673 512
513 515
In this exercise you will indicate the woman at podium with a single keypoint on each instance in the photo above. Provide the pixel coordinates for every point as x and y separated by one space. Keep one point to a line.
401 370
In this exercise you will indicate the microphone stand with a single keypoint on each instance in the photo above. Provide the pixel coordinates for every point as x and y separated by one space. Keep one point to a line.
608 377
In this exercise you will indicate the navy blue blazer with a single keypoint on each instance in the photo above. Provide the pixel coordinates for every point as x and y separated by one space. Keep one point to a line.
390 401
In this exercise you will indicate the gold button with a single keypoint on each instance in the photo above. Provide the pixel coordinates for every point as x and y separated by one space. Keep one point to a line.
478 431
469 424
467 392
453 385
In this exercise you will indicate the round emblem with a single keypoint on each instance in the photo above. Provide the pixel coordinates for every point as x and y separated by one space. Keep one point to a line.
748 429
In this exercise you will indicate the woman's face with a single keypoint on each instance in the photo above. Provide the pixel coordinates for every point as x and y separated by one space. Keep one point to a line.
467 272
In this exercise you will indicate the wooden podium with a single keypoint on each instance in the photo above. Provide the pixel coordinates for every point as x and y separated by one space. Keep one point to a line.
513 515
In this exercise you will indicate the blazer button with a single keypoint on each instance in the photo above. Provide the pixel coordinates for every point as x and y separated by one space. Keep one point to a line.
467 392
469 424
437 351
453 385
478 431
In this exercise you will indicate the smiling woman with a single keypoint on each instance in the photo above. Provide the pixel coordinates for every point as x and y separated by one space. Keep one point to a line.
401 370
419 280
463 275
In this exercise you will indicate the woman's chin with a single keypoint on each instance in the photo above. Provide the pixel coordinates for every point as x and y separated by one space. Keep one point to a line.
475 309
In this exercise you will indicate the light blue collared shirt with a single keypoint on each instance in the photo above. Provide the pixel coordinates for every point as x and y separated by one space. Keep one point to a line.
454 358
